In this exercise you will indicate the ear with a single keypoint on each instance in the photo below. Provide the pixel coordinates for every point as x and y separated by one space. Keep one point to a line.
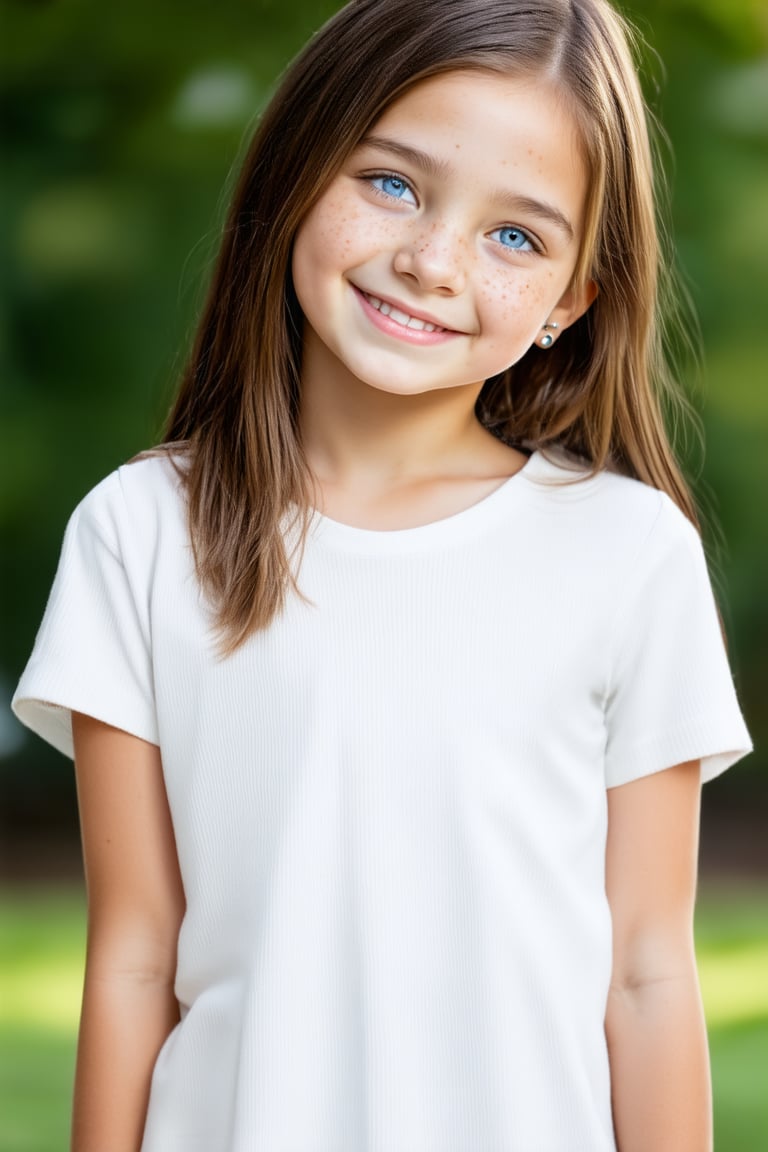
573 304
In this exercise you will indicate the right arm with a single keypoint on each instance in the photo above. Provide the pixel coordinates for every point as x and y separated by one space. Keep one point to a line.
135 908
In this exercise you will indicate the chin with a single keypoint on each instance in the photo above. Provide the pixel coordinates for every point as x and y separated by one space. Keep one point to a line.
396 387
399 379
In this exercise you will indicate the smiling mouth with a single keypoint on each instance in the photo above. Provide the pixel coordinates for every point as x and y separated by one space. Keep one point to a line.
401 318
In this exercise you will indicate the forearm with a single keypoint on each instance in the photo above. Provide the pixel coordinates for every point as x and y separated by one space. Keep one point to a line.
135 910
126 1017
660 1066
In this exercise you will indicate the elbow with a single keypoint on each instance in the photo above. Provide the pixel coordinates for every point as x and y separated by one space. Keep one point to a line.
653 962
136 958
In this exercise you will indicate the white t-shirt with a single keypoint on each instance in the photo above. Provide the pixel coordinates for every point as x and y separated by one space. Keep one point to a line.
390 807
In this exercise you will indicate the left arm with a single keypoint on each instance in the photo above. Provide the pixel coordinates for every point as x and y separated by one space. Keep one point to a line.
657 1038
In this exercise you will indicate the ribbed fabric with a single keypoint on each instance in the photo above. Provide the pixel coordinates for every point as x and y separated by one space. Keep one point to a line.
390 807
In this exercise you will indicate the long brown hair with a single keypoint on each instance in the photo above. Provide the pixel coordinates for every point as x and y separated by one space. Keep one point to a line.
599 392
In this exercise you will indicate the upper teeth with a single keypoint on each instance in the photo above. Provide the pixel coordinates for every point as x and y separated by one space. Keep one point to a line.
401 317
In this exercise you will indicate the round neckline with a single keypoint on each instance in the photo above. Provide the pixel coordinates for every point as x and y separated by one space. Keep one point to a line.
454 528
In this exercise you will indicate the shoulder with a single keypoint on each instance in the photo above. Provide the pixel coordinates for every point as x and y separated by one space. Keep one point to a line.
153 478
132 514
627 515
145 490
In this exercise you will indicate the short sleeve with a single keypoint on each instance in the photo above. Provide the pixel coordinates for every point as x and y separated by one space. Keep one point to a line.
92 653
671 695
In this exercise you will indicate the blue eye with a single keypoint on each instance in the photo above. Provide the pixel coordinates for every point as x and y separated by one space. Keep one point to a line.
394 186
514 238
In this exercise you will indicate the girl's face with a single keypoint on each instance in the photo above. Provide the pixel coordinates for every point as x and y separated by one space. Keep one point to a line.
447 240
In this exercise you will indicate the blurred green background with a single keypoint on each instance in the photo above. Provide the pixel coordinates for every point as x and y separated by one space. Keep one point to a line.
121 130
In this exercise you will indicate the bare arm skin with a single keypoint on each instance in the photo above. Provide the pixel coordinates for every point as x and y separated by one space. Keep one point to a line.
135 906
655 1024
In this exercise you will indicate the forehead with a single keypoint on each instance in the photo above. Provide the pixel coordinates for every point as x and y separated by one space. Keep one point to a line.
493 124
506 104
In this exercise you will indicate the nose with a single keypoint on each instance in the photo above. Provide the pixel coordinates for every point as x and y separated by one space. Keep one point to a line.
434 259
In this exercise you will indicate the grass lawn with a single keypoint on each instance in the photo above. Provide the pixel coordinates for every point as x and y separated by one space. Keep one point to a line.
41 956
42 934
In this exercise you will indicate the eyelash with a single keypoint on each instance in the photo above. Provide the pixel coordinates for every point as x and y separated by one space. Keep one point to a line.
369 178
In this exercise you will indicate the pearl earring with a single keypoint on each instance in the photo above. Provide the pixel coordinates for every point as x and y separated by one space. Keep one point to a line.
547 340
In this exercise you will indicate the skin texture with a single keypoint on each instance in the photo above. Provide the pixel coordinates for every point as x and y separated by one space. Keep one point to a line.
391 420
654 1024
388 425
135 906
437 246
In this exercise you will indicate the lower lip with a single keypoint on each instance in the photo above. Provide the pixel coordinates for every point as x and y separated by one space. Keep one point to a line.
391 327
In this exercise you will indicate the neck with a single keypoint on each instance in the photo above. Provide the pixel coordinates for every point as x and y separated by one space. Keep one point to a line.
354 434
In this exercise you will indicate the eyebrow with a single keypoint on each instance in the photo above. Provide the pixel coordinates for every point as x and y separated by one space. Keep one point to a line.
428 164
439 169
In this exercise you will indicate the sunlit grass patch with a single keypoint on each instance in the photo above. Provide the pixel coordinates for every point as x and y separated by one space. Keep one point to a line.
732 951
42 942
734 984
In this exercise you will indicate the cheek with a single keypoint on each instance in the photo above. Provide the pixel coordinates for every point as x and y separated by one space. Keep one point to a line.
341 233
511 299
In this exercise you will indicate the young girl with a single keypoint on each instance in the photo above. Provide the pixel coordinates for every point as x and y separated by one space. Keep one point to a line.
392 675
